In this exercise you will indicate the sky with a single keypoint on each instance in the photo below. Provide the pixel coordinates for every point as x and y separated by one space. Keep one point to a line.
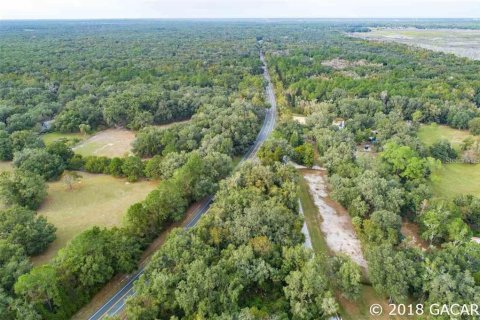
116 9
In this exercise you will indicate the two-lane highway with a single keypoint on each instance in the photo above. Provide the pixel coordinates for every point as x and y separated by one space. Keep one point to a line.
116 304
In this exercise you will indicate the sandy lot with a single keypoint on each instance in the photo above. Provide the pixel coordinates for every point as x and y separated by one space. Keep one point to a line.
300 119
107 143
336 223
463 43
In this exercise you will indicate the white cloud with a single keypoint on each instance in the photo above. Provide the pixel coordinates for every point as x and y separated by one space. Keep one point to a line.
76 9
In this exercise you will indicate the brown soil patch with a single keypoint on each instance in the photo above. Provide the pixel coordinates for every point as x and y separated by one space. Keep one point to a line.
336 223
341 64
107 143
411 231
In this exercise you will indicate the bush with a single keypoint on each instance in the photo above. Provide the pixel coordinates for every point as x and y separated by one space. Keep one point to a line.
443 151
304 154
132 168
115 167
474 126
76 162
97 164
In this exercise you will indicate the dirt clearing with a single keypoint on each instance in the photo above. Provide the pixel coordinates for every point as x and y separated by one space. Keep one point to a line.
336 223
300 119
461 42
107 143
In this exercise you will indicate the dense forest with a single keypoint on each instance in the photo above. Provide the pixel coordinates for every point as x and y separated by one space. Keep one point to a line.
245 259
382 93
87 77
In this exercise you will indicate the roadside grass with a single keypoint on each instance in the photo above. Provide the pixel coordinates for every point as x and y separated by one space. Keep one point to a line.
455 179
96 200
107 143
349 310
429 134
312 218
71 138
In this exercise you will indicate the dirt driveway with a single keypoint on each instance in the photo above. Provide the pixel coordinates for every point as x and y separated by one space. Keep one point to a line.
336 224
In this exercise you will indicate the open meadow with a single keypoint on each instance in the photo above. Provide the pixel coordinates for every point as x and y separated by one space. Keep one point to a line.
453 178
95 200
456 179
463 43
429 134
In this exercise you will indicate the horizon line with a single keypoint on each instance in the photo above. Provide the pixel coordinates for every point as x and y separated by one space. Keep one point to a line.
242 18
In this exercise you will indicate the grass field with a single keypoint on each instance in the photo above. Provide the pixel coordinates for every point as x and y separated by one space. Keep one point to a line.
455 179
97 200
108 143
50 137
463 43
429 134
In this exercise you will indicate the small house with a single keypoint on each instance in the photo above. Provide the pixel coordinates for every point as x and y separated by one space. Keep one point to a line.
339 122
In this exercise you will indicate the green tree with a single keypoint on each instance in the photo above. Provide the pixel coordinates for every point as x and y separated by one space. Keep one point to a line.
23 188
115 167
274 150
39 161
60 149
6 146
307 291
443 151
40 287
346 276
392 272
20 225
383 227
13 263
26 139
474 126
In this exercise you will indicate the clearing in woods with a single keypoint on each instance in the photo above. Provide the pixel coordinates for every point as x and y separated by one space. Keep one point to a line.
453 178
463 43
95 200
69 138
336 224
429 134
107 143
349 310
113 142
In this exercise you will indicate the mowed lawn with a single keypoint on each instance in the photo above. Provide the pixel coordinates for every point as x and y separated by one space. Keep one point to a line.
429 134
107 143
456 179
97 200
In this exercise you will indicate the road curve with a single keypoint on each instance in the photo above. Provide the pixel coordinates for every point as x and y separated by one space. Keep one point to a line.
116 304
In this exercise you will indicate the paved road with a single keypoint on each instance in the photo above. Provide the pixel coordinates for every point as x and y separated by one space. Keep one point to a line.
115 305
